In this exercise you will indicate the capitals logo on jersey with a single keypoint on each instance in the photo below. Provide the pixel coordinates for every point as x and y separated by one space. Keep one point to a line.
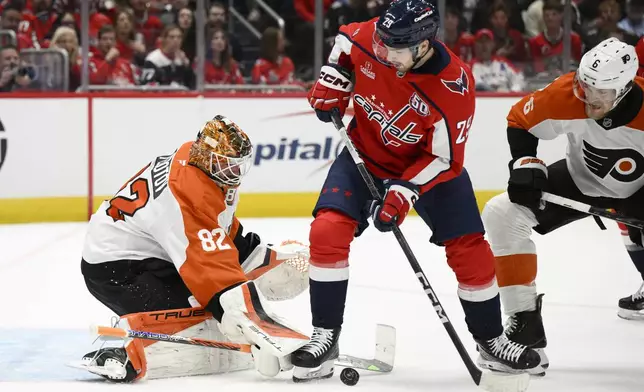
390 133
458 86
623 164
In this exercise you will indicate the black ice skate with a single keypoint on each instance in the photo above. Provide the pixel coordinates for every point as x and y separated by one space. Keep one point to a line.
315 360
632 307
503 355
527 328
111 363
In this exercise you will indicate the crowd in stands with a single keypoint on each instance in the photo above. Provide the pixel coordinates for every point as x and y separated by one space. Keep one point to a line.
508 43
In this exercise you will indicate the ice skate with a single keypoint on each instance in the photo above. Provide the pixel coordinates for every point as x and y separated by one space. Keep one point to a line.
632 307
503 355
110 362
527 328
315 360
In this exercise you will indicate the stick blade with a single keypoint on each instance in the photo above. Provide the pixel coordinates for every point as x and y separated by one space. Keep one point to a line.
501 382
385 344
383 361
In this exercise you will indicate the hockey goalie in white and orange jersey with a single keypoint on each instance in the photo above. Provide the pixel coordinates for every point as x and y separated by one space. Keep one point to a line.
599 109
168 255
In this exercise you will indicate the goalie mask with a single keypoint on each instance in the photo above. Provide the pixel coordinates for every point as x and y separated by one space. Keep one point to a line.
223 151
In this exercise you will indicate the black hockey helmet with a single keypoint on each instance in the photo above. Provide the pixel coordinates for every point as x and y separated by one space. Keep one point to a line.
407 23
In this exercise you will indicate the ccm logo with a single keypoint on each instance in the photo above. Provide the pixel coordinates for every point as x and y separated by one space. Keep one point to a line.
334 81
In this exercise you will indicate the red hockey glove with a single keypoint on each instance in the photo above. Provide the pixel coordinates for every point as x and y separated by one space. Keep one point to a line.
400 197
331 91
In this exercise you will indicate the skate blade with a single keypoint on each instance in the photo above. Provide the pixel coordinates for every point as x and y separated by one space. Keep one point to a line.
497 382
113 372
501 369
631 315
324 371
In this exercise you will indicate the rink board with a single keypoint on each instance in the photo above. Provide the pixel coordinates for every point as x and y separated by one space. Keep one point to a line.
57 154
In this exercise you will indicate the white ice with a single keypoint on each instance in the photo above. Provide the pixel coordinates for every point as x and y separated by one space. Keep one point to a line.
46 309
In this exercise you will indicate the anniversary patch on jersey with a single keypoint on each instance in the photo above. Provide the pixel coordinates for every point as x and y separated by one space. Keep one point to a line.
623 164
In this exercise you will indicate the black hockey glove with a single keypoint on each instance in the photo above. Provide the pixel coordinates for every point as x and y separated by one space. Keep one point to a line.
245 244
528 179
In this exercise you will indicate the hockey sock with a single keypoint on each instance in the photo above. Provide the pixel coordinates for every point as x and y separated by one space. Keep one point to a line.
483 318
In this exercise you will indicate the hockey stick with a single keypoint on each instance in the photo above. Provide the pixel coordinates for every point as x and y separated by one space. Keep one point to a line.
488 381
607 213
383 361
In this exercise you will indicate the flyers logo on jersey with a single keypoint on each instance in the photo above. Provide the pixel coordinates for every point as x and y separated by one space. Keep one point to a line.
458 86
624 165
391 133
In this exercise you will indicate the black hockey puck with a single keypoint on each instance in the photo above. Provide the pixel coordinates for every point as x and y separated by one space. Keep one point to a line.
349 376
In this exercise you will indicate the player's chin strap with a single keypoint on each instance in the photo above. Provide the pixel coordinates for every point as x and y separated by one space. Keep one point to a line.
416 58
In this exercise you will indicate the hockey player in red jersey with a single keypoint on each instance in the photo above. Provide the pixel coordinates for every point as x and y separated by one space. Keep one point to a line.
599 110
414 105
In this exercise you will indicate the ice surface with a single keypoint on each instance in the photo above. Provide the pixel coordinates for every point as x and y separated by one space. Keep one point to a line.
46 310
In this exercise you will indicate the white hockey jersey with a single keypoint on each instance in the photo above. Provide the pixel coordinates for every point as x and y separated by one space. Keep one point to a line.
605 158
171 211
498 74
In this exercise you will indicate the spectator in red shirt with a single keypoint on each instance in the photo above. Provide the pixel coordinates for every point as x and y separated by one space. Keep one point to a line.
509 42
65 38
39 20
12 20
547 48
457 40
221 68
129 43
147 24
272 67
105 64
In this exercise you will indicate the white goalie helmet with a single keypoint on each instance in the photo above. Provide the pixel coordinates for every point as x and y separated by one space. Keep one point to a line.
605 74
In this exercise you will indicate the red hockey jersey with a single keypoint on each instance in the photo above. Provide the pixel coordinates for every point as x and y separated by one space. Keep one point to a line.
410 126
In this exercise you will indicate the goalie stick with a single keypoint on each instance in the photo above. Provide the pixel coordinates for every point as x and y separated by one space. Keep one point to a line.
607 213
383 361
493 382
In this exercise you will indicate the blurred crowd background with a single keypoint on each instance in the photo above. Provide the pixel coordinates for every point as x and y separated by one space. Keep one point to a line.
278 45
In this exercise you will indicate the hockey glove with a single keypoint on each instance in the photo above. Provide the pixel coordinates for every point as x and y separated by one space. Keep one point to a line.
400 197
331 91
528 179
632 208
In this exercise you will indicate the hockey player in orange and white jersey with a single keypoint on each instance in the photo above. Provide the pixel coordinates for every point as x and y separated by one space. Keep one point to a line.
599 109
168 255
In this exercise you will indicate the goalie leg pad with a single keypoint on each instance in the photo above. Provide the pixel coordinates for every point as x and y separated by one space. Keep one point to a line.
155 360
248 319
